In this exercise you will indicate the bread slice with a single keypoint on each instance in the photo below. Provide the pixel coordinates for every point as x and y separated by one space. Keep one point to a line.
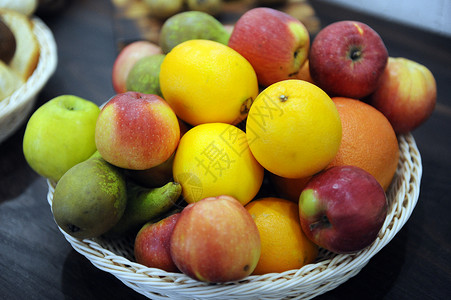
26 57
9 81
26 7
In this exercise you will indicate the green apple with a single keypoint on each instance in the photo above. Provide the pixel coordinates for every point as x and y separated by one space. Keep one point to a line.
59 135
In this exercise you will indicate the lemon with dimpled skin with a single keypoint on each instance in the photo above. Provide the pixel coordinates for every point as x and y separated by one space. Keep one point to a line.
293 129
205 81
214 159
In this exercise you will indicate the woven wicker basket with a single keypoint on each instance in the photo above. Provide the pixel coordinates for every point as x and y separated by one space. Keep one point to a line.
16 108
329 270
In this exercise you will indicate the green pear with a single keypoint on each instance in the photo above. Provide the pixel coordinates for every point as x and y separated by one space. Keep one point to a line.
190 25
144 205
90 198
144 76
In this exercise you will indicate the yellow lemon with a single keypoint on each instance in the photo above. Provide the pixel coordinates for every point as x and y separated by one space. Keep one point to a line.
205 82
214 159
293 129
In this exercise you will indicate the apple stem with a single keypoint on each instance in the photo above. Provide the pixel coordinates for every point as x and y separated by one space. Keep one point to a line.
321 223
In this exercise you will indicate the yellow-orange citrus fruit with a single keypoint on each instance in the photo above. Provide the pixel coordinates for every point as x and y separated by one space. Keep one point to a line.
205 82
214 159
284 245
304 72
293 129
368 140
289 188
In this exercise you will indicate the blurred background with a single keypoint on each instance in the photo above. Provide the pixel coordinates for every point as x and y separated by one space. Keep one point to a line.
431 15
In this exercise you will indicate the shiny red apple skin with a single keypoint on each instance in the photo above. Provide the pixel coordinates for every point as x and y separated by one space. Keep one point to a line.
125 60
275 43
347 58
406 94
216 240
342 209
136 131
152 244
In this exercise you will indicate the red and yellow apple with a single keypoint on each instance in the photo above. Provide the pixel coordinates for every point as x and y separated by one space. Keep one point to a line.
275 43
216 240
126 59
406 94
152 244
159 175
347 58
342 209
136 131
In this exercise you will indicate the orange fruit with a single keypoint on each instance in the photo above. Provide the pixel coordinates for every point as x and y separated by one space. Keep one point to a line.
284 245
206 82
304 72
368 140
289 188
293 129
214 159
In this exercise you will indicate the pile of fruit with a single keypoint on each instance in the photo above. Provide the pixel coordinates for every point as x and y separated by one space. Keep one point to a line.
229 154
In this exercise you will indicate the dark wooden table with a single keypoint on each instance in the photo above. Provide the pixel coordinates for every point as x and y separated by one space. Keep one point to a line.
36 262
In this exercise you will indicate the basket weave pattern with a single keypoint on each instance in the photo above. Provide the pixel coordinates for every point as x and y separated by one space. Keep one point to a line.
329 271
15 108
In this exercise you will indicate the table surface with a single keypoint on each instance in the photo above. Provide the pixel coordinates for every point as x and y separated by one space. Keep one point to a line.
36 262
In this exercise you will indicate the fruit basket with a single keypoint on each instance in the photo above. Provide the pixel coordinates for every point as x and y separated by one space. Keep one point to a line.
329 270
15 108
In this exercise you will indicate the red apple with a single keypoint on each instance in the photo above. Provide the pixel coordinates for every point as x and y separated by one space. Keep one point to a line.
342 209
216 240
275 43
152 244
127 57
406 94
136 131
347 58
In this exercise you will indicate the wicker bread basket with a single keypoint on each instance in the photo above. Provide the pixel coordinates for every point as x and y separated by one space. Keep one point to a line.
329 270
15 108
